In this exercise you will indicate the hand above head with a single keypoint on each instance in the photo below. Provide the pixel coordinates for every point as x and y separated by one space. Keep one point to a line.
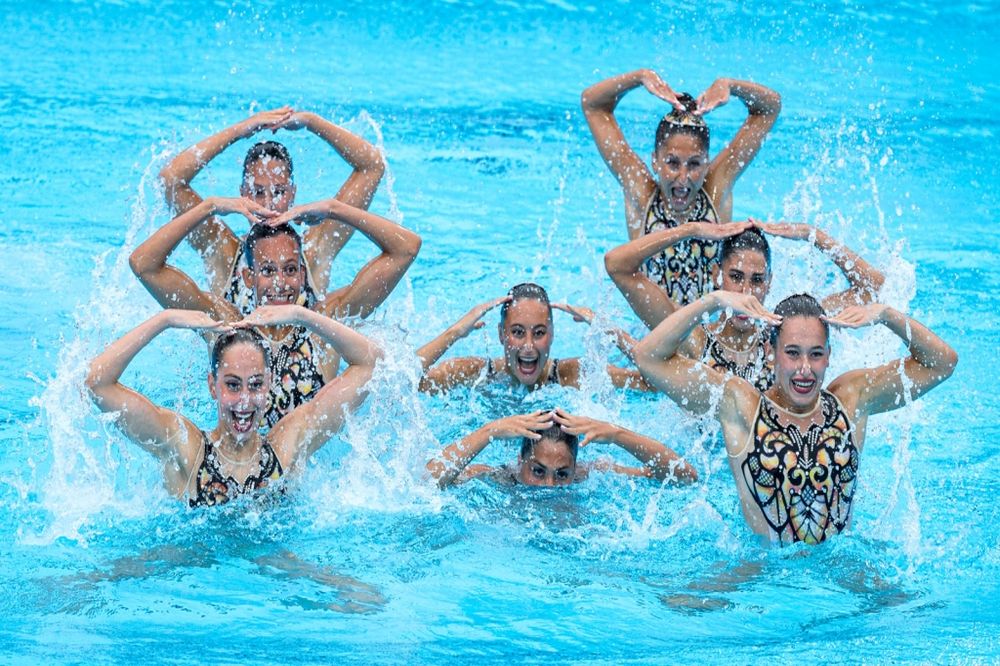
248 208
717 95
790 230
271 315
717 232
659 88
578 312
744 304
271 119
858 316
296 120
471 321
521 425
592 430
196 320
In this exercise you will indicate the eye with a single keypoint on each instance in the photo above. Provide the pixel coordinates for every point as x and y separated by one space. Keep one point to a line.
540 332
267 271
292 269
538 472
517 332
562 474
233 385
818 354
736 276
673 162
792 353
256 385
758 279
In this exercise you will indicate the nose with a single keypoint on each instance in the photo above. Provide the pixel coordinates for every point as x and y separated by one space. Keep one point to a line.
549 481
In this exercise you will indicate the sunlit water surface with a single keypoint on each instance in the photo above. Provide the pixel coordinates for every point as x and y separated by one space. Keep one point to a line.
885 139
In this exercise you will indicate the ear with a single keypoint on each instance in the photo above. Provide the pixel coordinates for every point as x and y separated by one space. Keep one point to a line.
717 274
291 193
245 190
211 386
247 277
500 332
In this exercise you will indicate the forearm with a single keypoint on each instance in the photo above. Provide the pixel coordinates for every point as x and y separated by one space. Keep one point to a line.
436 348
865 279
926 348
152 254
628 258
663 342
605 95
183 168
759 100
662 462
355 348
357 152
448 465
392 238
107 368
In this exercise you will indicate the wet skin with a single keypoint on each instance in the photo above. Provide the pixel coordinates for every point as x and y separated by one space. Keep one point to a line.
681 166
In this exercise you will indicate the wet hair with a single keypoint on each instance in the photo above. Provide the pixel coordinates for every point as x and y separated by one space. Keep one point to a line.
555 434
526 291
683 122
798 305
259 232
751 239
271 149
236 336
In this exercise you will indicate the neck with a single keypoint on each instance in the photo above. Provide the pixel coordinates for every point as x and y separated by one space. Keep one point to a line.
235 451
781 400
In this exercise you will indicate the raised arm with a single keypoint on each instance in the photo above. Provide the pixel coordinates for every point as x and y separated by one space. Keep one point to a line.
325 240
305 429
376 280
690 383
865 280
447 466
214 241
624 263
882 389
659 461
160 431
763 106
170 286
599 102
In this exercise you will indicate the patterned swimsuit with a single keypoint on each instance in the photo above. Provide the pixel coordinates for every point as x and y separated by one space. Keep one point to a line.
757 370
803 482
296 374
211 489
683 270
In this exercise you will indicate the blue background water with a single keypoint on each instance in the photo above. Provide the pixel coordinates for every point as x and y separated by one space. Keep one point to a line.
886 139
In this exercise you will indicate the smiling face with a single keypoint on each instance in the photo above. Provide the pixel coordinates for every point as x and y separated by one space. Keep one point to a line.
549 463
681 166
278 275
268 182
745 272
240 385
526 335
801 357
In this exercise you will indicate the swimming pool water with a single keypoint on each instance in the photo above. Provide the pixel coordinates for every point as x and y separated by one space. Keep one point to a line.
885 138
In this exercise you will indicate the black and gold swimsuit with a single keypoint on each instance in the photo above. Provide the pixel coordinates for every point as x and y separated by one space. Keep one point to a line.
295 372
803 483
683 270
757 369
212 489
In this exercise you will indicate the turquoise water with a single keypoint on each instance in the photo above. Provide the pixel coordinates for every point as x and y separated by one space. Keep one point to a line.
886 139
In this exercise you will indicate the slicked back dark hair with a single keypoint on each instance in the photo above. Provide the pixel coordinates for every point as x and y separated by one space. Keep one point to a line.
751 239
555 434
525 291
271 149
239 335
683 122
259 232
798 305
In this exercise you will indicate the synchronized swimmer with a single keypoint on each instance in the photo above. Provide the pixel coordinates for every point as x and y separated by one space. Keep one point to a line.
277 335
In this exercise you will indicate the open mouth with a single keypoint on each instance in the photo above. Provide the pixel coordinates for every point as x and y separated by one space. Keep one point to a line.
527 367
680 194
803 386
279 299
243 421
